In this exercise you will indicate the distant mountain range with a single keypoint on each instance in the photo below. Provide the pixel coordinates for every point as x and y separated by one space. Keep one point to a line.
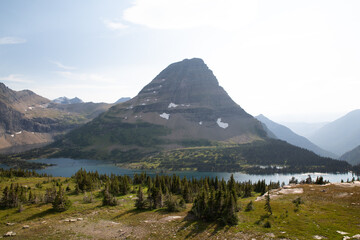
303 128
284 133
341 135
65 100
183 119
29 119
352 157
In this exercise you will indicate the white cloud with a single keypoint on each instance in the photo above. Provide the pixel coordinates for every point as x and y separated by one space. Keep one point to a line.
114 24
182 14
11 40
60 65
15 78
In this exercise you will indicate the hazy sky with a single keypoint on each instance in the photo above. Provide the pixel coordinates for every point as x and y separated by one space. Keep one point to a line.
290 60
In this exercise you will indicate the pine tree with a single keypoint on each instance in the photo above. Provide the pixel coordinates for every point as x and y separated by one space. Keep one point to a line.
229 216
267 206
249 207
186 193
61 202
140 201
210 213
108 199
247 190
199 205
31 197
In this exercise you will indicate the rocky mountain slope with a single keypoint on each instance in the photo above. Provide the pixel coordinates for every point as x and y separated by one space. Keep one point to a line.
182 106
29 119
284 133
341 135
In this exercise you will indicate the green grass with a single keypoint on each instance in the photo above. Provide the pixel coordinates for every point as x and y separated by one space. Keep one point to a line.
321 213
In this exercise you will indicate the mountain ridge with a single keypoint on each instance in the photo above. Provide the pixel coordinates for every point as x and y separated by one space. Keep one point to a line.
341 135
286 134
352 156
65 100
27 119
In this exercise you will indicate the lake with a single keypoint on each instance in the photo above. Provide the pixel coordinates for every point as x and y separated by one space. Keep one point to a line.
66 167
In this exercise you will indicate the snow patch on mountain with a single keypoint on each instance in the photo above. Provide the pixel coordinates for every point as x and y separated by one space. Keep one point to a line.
222 124
165 116
172 105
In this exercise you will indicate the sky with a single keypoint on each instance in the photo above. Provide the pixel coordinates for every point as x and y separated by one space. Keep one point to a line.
293 61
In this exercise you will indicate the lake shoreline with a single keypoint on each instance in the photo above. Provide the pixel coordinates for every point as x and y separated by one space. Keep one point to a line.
66 167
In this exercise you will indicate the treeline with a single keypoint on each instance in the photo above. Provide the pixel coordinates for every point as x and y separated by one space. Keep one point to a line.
16 195
9 173
213 199
248 157
14 161
319 180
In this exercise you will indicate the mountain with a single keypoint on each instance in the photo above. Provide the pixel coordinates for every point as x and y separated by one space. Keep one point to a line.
303 128
27 119
341 135
182 106
89 110
352 157
65 100
181 120
123 99
284 133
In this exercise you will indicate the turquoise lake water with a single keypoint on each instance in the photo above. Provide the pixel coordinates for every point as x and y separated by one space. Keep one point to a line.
66 167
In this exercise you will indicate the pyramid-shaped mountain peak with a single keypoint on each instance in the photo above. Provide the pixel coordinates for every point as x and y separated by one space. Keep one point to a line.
189 82
183 104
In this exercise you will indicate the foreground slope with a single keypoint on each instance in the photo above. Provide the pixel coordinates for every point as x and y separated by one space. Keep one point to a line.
323 212
341 135
284 133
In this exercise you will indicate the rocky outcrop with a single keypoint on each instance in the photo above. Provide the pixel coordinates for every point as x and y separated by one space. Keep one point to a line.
29 119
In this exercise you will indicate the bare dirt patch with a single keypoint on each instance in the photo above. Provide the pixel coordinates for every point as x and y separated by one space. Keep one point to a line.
274 193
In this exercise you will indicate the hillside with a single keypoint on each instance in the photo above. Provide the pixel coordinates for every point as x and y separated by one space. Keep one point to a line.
352 157
285 134
261 157
341 135
27 119
302 211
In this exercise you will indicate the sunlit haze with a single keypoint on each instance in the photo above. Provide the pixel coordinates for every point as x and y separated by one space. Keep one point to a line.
293 61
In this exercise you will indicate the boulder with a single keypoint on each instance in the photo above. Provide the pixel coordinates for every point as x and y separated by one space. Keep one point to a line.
10 234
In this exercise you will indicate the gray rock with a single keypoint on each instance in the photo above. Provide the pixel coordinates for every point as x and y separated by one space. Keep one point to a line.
10 234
